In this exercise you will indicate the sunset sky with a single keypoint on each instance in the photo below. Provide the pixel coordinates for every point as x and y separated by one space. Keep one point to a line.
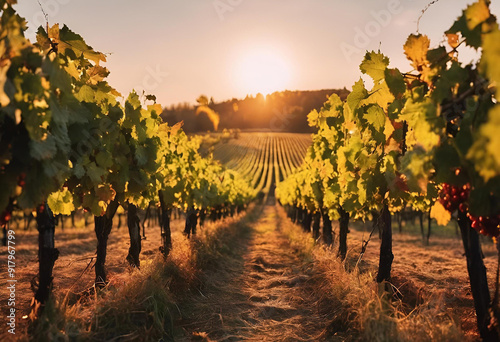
180 49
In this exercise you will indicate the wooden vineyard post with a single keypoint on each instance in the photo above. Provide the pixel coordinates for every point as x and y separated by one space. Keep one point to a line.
477 277
386 256
343 229
103 225
47 253
134 230
327 229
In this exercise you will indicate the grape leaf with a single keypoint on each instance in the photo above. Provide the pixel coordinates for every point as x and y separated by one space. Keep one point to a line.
489 65
416 48
395 82
105 193
375 117
374 64
476 13
440 214
61 202
358 93
67 39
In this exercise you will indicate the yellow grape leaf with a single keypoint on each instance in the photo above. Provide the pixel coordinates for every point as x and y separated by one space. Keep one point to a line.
391 145
489 65
389 128
97 74
476 14
313 118
490 130
416 48
155 107
374 65
73 70
120 210
4 99
350 126
452 39
175 128
381 95
439 213
61 202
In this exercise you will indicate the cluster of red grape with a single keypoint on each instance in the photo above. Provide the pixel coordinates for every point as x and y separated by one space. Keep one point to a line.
41 208
5 217
454 197
486 225
7 213
21 180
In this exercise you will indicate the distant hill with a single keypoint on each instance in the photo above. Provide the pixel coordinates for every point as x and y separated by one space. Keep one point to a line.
284 111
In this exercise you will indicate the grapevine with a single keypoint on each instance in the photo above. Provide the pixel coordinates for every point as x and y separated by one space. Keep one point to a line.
426 139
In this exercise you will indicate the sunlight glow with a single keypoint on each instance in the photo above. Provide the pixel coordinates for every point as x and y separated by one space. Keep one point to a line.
262 71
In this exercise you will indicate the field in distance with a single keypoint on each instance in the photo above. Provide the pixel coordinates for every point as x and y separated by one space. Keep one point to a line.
264 158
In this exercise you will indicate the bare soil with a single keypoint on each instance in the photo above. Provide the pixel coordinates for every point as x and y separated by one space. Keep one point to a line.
422 272
264 291
263 294
73 271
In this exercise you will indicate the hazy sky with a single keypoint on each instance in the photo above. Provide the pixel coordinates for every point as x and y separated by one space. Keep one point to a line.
179 49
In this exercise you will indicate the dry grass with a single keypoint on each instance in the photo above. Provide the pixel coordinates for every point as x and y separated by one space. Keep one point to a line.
139 305
364 309
261 291
234 281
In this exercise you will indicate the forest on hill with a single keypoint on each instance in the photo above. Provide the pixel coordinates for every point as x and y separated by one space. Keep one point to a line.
284 111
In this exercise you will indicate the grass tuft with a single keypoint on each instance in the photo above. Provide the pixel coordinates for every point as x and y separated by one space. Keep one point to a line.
361 307
139 310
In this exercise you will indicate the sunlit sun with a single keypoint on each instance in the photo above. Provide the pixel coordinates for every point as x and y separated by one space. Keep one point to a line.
262 71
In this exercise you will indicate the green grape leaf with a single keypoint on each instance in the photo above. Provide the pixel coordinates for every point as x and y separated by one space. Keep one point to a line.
375 117
395 81
468 24
104 159
438 56
445 86
45 149
425 126
141 155
358 94
79 171
95 173
374 64
446 160
92 203
72 69
394 109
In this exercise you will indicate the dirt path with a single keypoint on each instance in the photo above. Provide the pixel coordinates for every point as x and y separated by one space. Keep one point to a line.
263 293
